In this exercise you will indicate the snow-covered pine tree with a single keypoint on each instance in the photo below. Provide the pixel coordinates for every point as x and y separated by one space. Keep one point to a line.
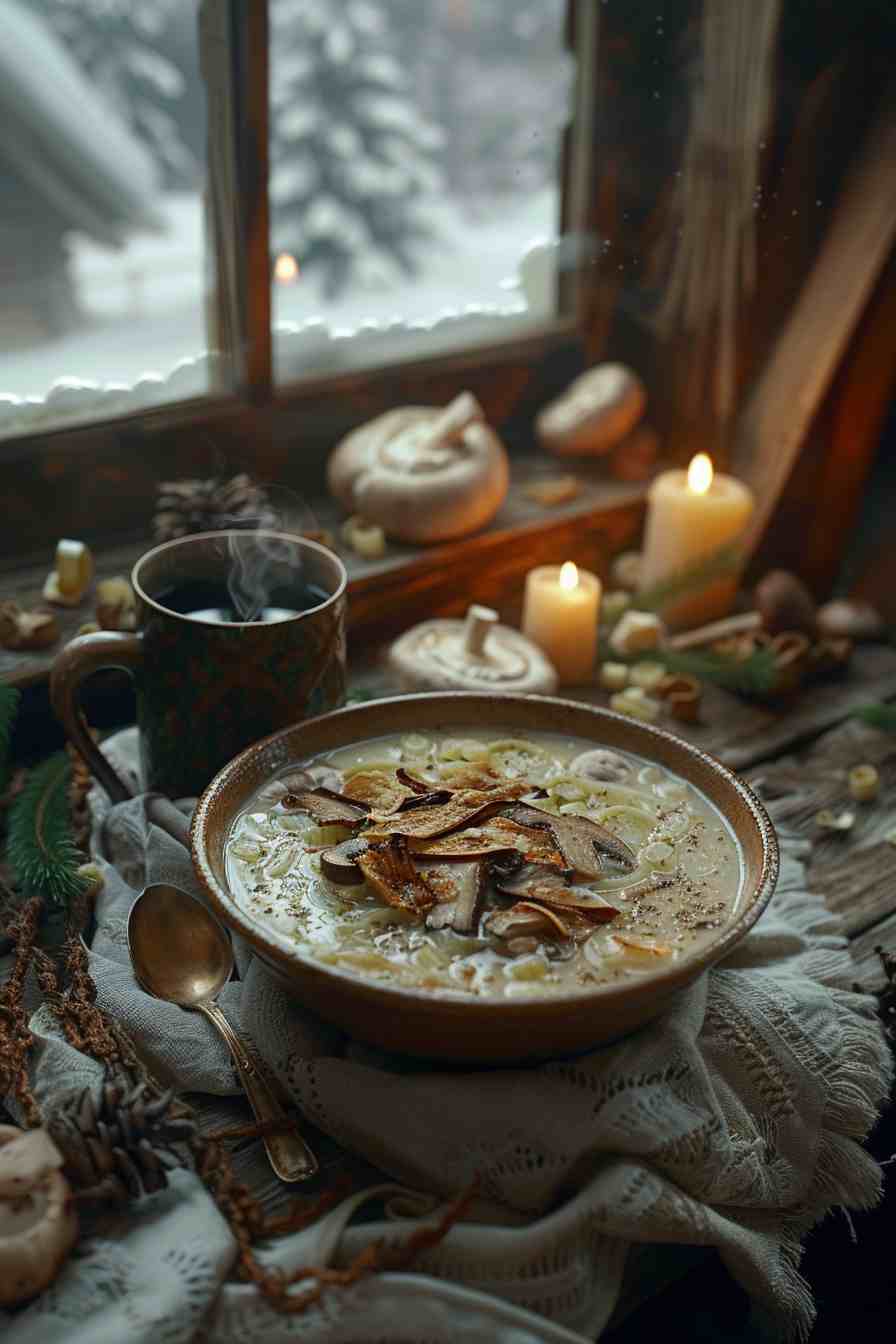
121 46
353 160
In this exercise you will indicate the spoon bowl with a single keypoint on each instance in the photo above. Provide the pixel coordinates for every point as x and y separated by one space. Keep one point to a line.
180 953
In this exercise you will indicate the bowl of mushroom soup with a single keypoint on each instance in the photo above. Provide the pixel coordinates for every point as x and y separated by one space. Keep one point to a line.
483 878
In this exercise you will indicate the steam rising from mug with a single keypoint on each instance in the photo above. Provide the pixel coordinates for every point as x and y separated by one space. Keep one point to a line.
259 563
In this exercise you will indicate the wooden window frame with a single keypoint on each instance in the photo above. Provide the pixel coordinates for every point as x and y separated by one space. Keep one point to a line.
97 479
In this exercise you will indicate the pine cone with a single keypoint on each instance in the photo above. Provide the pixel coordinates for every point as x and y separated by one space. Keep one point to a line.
185 507
121 1148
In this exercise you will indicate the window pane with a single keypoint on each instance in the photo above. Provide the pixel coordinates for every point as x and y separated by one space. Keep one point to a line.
415 175
103 268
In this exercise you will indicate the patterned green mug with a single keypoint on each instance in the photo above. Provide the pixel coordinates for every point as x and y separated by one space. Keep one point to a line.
209 685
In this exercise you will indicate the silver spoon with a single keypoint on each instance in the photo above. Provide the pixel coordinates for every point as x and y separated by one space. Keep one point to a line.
181 953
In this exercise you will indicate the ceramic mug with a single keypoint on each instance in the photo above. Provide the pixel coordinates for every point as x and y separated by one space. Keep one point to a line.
208 687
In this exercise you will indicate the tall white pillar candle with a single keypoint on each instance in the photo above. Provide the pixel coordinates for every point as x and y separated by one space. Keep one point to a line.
691 514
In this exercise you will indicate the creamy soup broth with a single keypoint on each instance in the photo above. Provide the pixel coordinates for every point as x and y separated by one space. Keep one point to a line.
674 882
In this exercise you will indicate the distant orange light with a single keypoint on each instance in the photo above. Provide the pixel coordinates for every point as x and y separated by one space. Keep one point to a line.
286 269
700 474
569 576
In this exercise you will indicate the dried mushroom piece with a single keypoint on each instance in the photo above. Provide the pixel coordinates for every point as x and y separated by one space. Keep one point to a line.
410 781
461 845
581 840
470 775
326 808
525 919
390 870
378 790
551 888
340 863
465 808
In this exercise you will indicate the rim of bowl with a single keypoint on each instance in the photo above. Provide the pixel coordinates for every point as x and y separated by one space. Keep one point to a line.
708 955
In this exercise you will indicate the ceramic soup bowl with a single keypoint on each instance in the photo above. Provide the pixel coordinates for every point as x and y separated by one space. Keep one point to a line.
419 1021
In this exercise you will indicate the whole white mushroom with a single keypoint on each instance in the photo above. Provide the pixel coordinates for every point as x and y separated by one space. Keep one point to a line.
38 1223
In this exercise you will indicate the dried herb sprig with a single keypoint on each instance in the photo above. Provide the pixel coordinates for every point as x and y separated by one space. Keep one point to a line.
15 1037
41 852
722 563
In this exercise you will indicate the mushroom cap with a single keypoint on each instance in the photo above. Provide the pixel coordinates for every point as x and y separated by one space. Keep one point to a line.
38 1228
432 656
415 493
598 409
785 604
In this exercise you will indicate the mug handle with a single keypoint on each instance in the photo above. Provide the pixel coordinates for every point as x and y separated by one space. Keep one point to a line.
78 660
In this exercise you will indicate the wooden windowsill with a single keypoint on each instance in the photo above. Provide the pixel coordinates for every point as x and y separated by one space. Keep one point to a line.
409 583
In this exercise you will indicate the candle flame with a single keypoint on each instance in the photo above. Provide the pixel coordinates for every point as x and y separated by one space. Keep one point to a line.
569 576
700 474
286 268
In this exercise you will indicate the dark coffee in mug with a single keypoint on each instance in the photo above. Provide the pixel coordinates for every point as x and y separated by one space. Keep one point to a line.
205 600
239 634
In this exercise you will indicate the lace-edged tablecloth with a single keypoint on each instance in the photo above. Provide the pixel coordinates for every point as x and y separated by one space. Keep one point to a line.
735 1122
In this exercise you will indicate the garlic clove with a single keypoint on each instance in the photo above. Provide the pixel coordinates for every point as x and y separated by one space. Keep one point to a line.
67 583
116 604
74 568
864 783
634 702
366 539
647 675
637 632
613 676
827 821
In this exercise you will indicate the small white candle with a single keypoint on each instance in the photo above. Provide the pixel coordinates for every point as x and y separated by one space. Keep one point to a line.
690 514
560 612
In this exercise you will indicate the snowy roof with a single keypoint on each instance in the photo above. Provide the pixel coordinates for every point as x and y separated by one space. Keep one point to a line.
64 141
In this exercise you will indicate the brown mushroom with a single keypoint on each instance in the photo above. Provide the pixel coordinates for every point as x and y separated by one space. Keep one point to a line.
326 807
340 863
377 789
465 808
548 887
850 620
581 840
390 870
525 919
785 603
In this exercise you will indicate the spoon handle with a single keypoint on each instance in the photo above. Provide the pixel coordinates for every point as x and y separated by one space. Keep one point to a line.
290 1156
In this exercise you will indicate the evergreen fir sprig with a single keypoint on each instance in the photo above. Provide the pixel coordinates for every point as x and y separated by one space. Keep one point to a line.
41 852
879 716
9 707
754 675
723 563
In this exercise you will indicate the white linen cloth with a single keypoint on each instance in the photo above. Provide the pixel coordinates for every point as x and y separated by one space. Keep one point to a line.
734 1122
